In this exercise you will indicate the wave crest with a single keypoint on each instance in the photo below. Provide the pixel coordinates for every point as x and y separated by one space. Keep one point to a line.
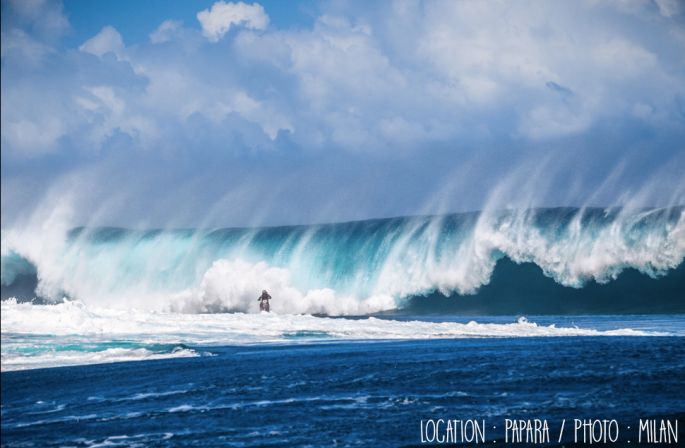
348 268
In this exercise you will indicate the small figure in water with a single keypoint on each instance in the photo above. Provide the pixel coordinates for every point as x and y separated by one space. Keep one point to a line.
264 301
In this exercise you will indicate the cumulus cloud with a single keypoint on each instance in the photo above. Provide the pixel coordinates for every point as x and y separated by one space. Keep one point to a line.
219 19
29 29
351 82
165 31
108 40
44 17
108 113
24 47
33 137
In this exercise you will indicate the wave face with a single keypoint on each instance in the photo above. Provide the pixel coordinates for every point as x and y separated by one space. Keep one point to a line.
359 267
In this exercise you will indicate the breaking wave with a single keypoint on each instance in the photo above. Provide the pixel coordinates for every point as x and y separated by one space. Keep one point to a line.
347 268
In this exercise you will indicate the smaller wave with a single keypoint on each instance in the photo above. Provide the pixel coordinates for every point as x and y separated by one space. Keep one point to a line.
306 334
184 408
70 358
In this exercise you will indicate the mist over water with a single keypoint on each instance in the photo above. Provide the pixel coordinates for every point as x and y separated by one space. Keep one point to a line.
65 246
348 268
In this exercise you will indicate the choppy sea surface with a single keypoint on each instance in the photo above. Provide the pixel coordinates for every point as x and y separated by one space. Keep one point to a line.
308 387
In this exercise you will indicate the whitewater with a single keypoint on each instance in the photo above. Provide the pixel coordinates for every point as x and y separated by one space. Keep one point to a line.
350 268
91 295
68 333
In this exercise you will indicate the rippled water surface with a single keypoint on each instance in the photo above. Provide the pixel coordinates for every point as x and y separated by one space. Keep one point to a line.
342 393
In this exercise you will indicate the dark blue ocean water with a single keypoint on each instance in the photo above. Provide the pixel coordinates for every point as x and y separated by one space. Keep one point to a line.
345 394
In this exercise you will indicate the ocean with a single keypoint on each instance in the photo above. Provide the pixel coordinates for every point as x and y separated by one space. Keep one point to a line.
378 329
313 391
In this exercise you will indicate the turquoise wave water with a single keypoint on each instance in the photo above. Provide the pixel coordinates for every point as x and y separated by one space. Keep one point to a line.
361 267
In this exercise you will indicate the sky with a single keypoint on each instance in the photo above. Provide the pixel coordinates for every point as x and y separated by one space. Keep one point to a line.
215 113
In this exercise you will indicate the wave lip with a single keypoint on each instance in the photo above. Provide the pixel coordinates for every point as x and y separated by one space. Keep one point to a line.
54 335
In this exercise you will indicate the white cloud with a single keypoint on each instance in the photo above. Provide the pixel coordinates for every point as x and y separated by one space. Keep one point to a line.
44 15
178 94
619 58
106 112
669 8
642 8
108 40
352 82
548 121
33 137
165 31
29 49
218 20
270 120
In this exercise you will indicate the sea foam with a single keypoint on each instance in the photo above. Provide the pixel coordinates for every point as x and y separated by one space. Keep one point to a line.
70 333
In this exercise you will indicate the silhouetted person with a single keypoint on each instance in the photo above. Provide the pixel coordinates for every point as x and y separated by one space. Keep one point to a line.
264 301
